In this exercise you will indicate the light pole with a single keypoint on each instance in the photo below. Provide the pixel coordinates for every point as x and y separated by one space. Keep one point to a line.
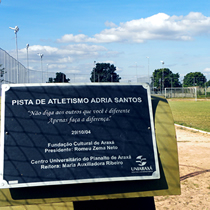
136 72
47 72
16 29
27 46
94 71
41 55
162 76
148 68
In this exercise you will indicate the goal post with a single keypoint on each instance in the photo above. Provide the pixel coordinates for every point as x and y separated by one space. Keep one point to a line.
181 92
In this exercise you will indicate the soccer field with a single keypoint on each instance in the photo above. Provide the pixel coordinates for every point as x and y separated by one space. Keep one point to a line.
191 113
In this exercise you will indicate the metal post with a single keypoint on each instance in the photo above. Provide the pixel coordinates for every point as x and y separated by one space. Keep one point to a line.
27 46
148 70
17 58
47 72
16 29
162 75
94 71
41 55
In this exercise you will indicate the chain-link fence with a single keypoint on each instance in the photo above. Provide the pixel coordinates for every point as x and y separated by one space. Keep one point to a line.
14 72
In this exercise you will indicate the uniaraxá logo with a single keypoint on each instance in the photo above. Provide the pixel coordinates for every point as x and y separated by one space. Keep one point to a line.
141 161
141 168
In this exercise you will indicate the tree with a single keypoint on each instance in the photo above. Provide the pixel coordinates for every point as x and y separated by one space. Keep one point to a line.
194 79
164 77
104 72
60 78
207 83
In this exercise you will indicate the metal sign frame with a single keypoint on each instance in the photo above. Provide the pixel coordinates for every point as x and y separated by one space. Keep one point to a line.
111 105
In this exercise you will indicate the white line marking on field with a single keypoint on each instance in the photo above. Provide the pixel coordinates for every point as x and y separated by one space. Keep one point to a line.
193 129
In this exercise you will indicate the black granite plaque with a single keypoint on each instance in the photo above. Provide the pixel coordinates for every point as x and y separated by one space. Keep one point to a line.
63 134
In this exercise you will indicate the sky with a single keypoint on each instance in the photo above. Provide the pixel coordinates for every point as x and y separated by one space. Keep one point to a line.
134 35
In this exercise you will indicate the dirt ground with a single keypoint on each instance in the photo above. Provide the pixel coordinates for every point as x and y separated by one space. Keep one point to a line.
194 162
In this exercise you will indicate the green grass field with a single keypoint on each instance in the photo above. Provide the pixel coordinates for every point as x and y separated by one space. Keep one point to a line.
195 114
